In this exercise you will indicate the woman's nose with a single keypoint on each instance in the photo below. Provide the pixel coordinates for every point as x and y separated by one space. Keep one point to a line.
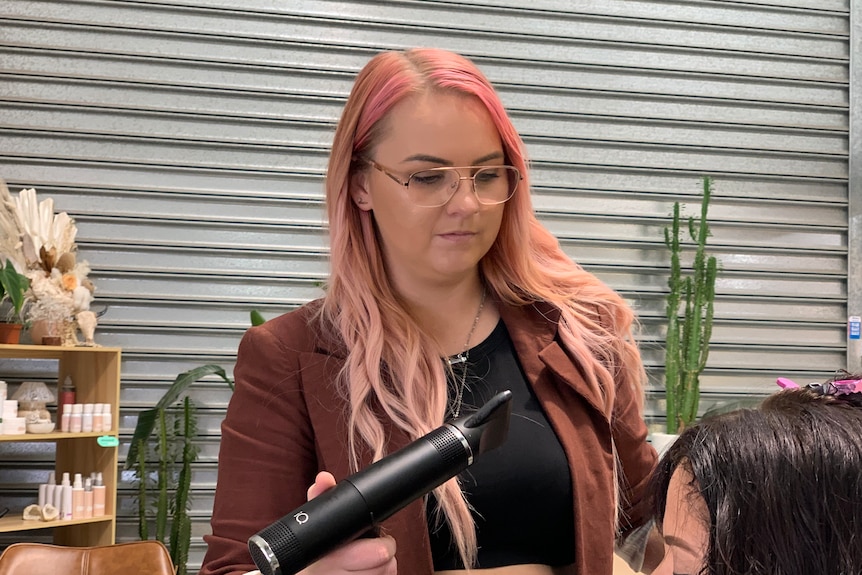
464 197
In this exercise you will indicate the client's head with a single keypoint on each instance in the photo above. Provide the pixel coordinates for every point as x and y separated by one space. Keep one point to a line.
773 490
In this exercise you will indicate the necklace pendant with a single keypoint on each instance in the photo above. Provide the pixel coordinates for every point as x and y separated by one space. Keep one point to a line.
460 358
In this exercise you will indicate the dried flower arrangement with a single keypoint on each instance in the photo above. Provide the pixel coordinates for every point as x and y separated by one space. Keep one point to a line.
41 244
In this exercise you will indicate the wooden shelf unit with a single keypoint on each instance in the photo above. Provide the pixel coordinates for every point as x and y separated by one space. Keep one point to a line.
95 372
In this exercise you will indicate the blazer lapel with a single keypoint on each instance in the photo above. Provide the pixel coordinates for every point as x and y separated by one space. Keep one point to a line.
533 329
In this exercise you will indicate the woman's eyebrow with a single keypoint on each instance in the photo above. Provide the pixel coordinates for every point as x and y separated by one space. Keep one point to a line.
427 158
681 543
435 160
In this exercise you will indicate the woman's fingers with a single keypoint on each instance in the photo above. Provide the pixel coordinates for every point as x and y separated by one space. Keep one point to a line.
364 556
322 482
368 556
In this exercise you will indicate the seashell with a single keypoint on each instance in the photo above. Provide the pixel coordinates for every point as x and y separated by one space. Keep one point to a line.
49 512
32 513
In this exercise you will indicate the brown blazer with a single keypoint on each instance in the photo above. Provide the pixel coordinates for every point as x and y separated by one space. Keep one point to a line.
286 422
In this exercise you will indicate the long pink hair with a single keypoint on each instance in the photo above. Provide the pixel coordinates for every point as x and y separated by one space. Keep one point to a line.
389 368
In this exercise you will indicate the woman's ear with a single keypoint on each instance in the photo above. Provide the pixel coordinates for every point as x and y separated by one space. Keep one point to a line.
359 190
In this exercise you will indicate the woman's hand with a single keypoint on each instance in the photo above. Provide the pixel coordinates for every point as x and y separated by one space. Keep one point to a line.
374 556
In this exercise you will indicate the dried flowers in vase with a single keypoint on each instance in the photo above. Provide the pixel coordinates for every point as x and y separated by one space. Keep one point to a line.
42 245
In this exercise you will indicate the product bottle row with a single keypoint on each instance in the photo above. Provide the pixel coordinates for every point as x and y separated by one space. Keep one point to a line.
78 499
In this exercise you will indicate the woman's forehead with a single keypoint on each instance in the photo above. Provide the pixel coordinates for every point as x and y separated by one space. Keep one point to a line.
447 125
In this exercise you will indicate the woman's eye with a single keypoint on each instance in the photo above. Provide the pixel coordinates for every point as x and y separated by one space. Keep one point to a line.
487 175
427 179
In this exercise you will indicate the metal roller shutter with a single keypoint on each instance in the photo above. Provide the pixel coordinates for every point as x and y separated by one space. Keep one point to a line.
189 139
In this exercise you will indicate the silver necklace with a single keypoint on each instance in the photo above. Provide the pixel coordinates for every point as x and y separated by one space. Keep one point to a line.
462 358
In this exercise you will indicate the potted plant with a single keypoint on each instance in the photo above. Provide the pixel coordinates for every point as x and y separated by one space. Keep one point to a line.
163 470
688 331
42 245
13 286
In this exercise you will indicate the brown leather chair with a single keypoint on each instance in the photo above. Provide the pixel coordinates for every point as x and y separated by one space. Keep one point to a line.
134 558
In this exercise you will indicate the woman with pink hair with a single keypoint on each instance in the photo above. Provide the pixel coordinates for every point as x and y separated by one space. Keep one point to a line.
444 290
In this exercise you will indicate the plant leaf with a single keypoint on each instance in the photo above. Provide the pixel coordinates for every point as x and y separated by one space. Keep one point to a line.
147 418
257 318
141 436
14 285
185 379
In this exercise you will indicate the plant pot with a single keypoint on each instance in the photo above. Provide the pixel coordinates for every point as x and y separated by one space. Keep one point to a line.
48 332
661 441
10 332
42 328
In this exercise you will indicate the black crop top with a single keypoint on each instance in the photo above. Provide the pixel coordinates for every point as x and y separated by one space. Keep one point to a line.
521 492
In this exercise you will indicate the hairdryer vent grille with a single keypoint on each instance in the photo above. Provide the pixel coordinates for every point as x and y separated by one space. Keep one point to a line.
447 443
284 545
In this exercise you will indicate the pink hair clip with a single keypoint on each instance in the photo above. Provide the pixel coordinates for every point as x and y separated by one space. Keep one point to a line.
785 383
839 387
845 386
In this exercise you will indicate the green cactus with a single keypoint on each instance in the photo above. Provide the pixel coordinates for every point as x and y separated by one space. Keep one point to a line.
181 526
174 453
687 342
172 456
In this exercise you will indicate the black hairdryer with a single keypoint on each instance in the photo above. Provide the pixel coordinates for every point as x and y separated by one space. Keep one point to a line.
360 502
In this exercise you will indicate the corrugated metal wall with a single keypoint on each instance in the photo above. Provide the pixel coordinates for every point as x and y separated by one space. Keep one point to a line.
189 139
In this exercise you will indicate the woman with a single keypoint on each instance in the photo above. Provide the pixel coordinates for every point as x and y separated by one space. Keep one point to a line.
444 290
768 491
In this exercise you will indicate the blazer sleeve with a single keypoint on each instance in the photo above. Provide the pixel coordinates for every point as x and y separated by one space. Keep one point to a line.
637 460
267 455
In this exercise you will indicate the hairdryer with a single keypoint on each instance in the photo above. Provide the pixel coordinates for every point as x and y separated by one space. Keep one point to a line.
360 502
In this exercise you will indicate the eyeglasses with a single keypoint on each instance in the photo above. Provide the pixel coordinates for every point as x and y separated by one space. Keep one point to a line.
434 187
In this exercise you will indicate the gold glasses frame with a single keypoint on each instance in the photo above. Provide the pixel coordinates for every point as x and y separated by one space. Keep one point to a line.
475 169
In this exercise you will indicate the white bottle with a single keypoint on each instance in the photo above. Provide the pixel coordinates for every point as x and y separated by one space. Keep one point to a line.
50 487
88 499
77 415
107 418
78 498
87 418
3 391
63 497
98 496
43 495
97 417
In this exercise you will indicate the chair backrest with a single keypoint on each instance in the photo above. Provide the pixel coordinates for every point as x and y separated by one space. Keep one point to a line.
134 558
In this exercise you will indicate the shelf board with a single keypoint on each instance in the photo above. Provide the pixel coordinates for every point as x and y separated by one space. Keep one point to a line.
48 351
13 524
53 436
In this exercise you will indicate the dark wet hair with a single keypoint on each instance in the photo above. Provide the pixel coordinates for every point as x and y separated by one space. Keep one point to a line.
782 483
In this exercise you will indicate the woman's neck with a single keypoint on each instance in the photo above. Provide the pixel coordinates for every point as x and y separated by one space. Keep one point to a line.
457 318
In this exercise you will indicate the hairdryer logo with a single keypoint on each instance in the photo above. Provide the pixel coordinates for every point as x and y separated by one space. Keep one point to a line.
301 517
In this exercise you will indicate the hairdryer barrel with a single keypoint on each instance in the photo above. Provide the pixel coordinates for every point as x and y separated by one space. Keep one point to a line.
363 500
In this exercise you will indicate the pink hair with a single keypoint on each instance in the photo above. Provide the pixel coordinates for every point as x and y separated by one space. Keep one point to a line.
389 369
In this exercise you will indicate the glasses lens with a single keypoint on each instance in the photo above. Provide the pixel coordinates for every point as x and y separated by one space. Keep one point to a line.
496 184
434 187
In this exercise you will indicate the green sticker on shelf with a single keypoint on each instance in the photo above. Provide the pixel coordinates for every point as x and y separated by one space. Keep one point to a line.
107 441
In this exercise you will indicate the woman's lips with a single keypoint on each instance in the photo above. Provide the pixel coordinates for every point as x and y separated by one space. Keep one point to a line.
457 236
